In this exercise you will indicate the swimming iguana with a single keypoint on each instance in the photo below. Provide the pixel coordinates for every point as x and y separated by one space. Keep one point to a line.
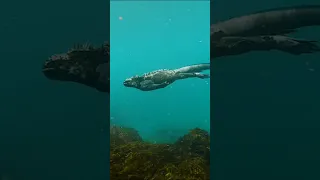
265 30
163 77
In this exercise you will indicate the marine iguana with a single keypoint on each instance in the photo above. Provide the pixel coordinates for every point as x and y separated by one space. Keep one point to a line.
84 64
163 77
265 30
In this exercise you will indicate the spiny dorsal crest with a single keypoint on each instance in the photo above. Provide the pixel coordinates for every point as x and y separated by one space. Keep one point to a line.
153 72
82 47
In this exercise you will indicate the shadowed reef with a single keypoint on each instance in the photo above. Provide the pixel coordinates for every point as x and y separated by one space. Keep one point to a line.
132 158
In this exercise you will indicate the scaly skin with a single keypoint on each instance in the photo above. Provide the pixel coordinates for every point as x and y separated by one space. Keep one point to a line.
84 64
261 31
163 77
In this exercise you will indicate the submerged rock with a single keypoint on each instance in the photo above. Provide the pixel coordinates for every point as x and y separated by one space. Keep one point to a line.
132 159
195 144
139 160
122 135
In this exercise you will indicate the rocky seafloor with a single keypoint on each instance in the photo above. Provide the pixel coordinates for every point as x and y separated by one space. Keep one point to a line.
131 158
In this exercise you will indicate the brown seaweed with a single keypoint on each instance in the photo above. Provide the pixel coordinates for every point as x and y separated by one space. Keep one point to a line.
122 135
134 159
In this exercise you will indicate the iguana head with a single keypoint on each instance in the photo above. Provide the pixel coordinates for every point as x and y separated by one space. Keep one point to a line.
84 64
133 81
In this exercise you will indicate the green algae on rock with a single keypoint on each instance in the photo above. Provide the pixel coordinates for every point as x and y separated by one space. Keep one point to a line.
122 135
135 159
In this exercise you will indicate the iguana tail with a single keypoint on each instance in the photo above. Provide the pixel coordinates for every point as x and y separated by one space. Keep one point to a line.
195 68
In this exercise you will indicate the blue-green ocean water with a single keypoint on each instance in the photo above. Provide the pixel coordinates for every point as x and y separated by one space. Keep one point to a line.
264 110
265 106
159 35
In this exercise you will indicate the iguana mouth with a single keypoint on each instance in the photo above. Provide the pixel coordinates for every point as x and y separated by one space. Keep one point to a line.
81 64
47 69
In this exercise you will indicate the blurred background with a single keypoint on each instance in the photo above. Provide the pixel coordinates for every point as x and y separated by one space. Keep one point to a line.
50 130
265 106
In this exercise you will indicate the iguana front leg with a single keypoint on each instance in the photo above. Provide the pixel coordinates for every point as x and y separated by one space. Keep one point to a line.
149 85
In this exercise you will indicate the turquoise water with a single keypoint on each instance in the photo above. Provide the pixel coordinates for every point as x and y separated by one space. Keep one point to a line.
147 36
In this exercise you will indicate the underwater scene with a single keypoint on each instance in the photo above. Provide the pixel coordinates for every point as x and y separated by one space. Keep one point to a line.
265 89
51 129
159 89
262 122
